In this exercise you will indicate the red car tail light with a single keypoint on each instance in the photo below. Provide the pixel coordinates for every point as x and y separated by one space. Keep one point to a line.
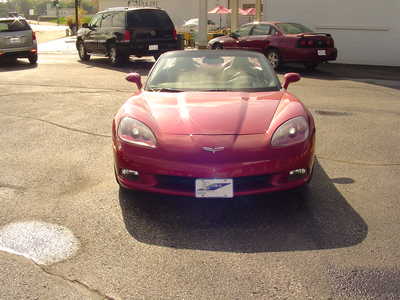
33 36
127 36
303 43
309 43
174 34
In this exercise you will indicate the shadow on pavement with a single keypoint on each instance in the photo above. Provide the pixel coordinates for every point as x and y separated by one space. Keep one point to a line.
274 222
139 65
7 65
376 75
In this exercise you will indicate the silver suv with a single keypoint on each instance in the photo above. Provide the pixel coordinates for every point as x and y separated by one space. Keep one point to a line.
17 40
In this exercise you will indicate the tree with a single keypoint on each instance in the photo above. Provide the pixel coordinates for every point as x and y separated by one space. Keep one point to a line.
88 5
21 6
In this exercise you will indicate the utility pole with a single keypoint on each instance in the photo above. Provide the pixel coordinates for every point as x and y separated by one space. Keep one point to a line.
258 10
202 38
77 15
234 5
56 5
58 13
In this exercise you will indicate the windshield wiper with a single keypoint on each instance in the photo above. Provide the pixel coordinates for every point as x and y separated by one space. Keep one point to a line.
167 90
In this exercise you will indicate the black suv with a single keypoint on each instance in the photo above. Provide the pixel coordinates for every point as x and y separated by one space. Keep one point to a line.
121 32
17 40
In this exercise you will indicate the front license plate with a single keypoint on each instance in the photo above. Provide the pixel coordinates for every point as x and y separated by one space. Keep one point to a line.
153 47
321 52
214 188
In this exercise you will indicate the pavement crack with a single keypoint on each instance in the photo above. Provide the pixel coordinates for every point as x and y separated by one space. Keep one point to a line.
82 287
11 186
349 110
361 163
58 125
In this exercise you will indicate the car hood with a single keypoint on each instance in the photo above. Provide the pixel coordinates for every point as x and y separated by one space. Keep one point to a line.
206 113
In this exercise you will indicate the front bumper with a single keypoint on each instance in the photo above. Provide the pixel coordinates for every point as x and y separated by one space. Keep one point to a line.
174 177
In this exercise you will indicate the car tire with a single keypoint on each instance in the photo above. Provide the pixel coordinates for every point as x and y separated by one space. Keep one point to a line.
33 59
218 46
274 58
115 56
83 55
311 66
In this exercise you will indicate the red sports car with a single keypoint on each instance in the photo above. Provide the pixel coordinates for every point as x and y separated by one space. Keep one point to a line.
281 43
213 124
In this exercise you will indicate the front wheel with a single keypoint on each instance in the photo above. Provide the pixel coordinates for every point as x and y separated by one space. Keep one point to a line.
274 58
83 55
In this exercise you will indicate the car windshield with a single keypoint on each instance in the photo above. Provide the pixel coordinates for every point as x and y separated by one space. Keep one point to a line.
13 25
293 28
212 71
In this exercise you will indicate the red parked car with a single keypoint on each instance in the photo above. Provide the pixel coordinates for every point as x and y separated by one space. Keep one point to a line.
213 124
281 43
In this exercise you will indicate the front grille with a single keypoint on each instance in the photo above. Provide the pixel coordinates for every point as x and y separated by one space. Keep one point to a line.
187 184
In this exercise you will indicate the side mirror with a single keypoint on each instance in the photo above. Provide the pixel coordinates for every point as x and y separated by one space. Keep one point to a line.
289 78
135 78
85 25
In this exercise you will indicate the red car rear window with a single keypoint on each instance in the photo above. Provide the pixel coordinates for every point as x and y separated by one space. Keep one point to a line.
293 28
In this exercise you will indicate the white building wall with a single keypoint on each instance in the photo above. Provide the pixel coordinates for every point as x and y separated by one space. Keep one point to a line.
365 31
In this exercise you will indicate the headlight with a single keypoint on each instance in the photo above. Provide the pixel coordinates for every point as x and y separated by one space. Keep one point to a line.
291 132
135 132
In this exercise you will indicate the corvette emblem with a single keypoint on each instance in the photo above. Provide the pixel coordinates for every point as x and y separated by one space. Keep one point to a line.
213 149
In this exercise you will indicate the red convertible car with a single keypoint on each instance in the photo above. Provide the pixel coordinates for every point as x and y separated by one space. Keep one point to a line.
213 124
281 43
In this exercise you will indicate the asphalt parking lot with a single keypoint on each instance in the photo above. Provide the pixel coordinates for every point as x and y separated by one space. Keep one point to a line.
57 188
